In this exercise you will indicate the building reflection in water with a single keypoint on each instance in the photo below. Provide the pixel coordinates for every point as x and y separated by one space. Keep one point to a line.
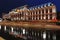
31 33
44 35
41 14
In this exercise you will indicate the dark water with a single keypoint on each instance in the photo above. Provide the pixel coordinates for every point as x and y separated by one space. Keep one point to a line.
7 36
50 34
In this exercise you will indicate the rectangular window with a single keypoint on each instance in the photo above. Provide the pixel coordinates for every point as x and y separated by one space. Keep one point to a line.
46 10
50 10
50 16
39 11
43 11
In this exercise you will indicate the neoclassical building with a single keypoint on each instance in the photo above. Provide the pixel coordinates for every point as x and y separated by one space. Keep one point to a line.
35 13
33 30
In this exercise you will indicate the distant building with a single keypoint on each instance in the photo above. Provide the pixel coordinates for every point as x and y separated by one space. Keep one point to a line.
35 13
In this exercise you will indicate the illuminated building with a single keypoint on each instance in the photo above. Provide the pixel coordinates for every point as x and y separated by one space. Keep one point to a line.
35 13
45 12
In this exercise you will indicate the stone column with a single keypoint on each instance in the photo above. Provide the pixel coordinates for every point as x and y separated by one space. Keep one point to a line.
32 15
41 15
38 17
26 15
48 16
23 13
48 11
38 14
35 15
44 14
18 16
53 10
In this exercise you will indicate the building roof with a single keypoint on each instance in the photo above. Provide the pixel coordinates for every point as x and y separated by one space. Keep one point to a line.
31 8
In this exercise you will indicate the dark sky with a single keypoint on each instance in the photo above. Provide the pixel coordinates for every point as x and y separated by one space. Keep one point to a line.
7 5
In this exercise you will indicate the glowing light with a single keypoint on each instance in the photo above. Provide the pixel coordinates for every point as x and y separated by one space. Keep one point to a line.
18 10
12 29
23 31
44 35
44 17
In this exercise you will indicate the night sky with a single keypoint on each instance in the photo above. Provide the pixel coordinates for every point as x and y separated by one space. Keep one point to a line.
7 5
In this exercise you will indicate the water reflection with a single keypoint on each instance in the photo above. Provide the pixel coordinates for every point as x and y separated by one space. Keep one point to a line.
29 33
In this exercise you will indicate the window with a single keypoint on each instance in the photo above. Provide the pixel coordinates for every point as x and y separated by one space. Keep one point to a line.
46 10
43 11
36 17
39 11
36 12
50 10
50 16
39 17
30 18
